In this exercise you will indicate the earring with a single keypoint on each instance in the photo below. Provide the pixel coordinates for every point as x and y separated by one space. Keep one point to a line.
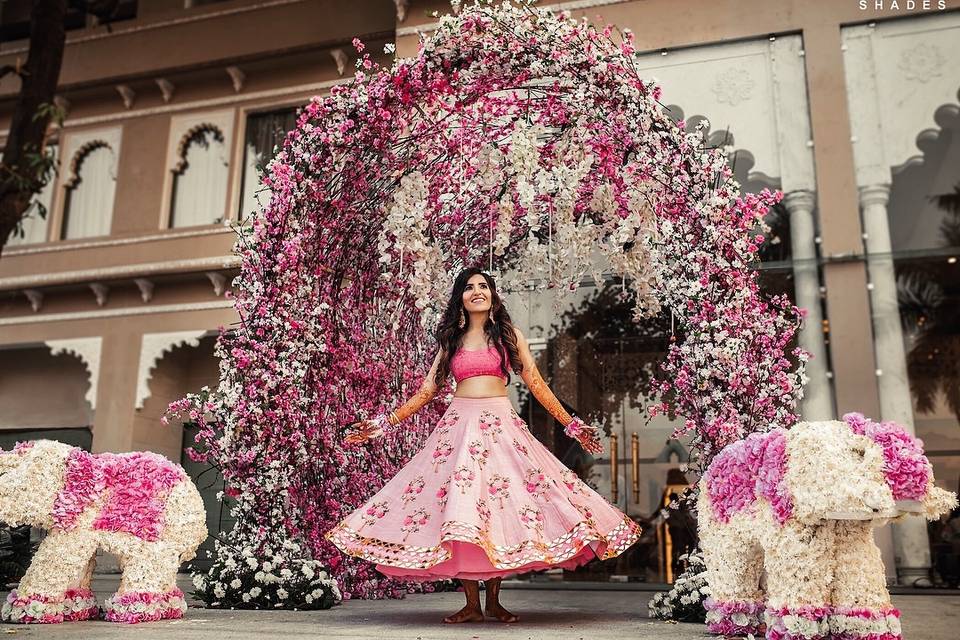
463 319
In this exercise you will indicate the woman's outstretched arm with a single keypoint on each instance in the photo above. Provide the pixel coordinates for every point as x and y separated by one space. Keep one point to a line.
537 385
426 392
374 427
585 434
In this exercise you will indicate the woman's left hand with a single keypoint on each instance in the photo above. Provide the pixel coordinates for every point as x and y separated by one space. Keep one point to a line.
587 435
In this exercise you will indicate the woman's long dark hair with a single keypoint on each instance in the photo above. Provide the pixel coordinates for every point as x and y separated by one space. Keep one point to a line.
499 330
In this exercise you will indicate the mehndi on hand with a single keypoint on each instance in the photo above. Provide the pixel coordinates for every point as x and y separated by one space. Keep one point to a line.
364 430
587 435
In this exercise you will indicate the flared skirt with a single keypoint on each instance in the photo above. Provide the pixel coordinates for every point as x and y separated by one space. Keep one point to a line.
483 499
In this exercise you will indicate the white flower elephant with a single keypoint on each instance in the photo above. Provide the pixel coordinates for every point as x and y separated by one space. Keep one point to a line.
786 519
139 506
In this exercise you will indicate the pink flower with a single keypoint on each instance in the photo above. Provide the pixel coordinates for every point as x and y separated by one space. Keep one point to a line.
905 467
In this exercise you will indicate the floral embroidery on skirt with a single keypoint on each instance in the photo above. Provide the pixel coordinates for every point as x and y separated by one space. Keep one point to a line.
483 499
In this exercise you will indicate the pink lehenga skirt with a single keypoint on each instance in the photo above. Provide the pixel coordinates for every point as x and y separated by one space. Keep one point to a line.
483 499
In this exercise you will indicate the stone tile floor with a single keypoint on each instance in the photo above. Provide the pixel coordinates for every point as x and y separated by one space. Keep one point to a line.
546 614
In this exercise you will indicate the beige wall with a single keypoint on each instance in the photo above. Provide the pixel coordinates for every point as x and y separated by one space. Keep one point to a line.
137 207
42 391
184 370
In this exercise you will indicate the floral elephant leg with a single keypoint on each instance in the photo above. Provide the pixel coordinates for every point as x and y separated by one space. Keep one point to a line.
736 602
799 563
861 602
56 586
148 588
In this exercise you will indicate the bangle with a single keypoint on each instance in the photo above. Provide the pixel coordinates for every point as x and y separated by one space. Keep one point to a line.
575 427
393 419
381 422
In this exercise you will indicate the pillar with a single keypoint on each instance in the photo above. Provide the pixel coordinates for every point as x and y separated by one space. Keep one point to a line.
911 544
817 402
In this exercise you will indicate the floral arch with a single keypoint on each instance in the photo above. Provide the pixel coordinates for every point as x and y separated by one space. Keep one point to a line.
517 138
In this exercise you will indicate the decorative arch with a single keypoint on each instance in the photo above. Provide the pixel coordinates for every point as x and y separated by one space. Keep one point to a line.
87 350
76 162
90 184
153 347
200 174
518 139
190 137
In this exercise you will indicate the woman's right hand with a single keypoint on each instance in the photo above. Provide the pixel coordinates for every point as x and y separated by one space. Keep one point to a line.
360 432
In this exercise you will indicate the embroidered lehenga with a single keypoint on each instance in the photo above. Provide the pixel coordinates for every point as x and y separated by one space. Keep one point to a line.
483 499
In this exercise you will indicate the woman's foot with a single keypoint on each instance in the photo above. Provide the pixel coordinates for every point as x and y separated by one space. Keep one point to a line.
471 611
494 609
497 611
467 614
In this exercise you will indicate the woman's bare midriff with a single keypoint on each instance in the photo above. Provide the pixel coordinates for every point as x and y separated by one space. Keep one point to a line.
481 387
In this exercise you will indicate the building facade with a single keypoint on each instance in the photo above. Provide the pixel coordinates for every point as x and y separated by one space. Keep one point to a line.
109 305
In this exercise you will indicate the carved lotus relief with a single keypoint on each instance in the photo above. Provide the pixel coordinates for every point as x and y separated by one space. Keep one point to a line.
733 86
922 62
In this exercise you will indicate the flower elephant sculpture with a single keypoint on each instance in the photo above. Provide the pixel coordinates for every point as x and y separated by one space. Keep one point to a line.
139 506
786 519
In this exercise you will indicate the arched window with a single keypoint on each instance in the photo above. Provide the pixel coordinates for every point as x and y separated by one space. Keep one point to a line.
88 204
264 135
200 178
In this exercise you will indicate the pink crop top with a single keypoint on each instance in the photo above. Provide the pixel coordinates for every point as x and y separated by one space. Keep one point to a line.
479 362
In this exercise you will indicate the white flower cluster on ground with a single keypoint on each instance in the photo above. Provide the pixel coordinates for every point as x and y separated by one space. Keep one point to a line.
684 601
284 579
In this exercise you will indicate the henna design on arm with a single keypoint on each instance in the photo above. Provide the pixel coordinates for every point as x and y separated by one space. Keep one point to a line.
428 389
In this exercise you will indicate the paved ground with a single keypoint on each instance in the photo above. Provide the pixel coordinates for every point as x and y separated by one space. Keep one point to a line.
566 614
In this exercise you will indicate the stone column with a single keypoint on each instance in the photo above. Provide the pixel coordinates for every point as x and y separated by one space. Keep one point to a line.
817 403
116 393
911 544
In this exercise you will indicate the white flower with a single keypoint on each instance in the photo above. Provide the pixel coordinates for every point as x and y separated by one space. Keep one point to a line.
282 594
235 583
255 592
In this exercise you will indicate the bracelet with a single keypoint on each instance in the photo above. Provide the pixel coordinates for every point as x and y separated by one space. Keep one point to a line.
575 428
587 435
382 422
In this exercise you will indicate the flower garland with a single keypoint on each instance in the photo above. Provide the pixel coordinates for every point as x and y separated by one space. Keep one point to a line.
518 138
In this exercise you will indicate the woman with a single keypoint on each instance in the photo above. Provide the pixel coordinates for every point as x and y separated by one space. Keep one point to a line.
483 499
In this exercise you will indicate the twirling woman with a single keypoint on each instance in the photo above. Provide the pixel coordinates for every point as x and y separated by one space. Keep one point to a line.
483 499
